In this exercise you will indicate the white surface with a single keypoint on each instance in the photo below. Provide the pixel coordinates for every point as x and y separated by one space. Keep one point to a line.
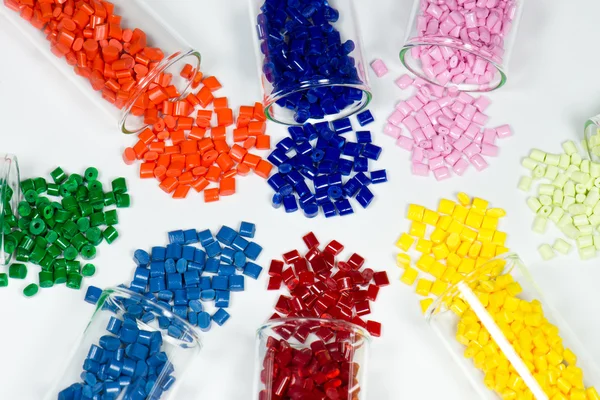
46 121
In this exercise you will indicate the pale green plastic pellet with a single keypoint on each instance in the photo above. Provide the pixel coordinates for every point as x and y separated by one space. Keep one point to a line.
587 253
585 241
576 159
580 177
557 197
597 242
592 199
579 198
560 181
597 209
551 172
577 209
585 230
539 171
546 189
589 211
565 161
525 183
539 224
585 166
580 220
580 189
534 204
529 163
546 252
545 200
567 202
595 170
597 182
565 220
561 246
571 231
537 155
594 219
552 159
545 211
569 189
569 147
556 214
571 170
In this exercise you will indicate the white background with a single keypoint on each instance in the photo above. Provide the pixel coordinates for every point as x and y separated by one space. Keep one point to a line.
553 86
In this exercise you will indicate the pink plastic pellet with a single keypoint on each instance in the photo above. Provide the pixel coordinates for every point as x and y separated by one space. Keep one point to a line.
436 163
379 68
442 173
396 118
489 150
489 136
404 81
392 131
503 131
460 167
478 162
405 142
420 169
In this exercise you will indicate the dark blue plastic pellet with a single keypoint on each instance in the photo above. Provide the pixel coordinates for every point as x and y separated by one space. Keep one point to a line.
286 144
365 118
371 151
342 126
379 176
343 207
311 210
289 202
361 164
220 283
362 179
277 200
363 137
364 197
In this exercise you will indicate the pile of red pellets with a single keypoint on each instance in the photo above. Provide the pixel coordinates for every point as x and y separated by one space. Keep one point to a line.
183 151
319 286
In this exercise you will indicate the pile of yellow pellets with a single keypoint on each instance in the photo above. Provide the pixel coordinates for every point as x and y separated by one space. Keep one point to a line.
451 243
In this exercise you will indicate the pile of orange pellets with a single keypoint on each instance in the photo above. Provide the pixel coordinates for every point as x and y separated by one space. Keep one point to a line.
184 152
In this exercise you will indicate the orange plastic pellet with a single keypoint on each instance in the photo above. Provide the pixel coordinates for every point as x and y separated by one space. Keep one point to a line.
259 112
146 136
220 102
197 133
213 174
188 147
218 133
212 83
246 112
185 123
205 96
164 160
240 134
174 172
192 161
170 121
230 174
237 153
263 142
181 192
197 79
151 156
250 142
203 118
171 149
224 116
256 128
263 169
211 195
169 184
243 169
206 145
140 148
252 160
187 71
243 121
186 178
177 137
199 171
227 186
147 170
199 184
160 173
225 162
129 156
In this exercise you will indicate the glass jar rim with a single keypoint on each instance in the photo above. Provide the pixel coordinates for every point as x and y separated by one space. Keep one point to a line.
457 45
113 291
350 326
163 65
437 303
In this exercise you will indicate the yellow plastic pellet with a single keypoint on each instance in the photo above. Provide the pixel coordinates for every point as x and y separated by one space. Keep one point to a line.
415 212
423 287
490 223
563 385
475 249
448 274
438 235
458 307
501 250
480 261
425 262
511 304
405 242
402 260
438 288
577 394
409 276
592 394
453 260
474 219
485 235
425 303
499 238
463 199
453 241
446 206
570 357
488 250
496 212
460 213
463 249
430 217
440 251
466 266
559 396
444 222
468 234
514 288
424 246
437 269
455 227
480 204
417 229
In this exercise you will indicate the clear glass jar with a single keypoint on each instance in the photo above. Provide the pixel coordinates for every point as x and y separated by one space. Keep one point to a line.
176 54
10 195
464 43
310 60
506 338
180 343
592 137
298 356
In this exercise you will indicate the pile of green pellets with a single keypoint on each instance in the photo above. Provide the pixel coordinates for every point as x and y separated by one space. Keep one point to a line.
58 223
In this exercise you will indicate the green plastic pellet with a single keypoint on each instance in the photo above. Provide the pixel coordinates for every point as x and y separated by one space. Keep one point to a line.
10 245
22 255
119 185
94 235
97 219
71 253
88 252
24 209
83 224
79 241
62 242
11 220
60 263
110 234
30 290
46 279
17 271
53 189
88 270
48 212
58 175
26 185
111 217
81 193
70 186
24 224
62 191
78 179
91 174
40 185
47 262
73 266
95 185
41 242
51 236
69 203
70 228
546 252
86 209
60 275
27 243
96 196
74 281
98 207
123 200
109 199
34 214
42 202
37 226
61 216
37 255
53 251
31 196
4 279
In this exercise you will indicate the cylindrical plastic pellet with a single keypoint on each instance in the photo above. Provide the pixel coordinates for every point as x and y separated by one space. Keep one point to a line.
539 224
129 336
311 341
310 60
561 246
529 163
525 183
463 44
10 198
126 66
